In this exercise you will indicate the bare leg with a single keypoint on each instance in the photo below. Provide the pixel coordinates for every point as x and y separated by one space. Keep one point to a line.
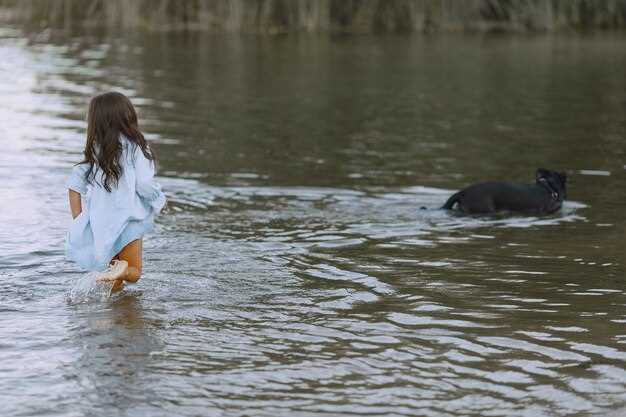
131 254
117 285
129 269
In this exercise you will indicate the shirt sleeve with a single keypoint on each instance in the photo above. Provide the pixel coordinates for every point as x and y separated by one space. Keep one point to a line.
146 186
77 180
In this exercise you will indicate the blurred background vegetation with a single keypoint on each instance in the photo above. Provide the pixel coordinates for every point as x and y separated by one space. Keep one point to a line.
355 16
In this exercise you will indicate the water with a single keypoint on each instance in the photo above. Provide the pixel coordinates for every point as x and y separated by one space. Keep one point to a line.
294 274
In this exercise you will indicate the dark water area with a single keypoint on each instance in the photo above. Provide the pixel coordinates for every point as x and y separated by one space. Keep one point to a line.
294 274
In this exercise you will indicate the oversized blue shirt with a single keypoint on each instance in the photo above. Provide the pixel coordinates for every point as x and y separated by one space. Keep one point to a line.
111 220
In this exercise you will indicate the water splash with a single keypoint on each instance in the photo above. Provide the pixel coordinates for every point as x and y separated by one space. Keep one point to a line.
87 290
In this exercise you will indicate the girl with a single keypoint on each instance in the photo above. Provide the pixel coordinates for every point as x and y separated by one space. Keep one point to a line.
113 194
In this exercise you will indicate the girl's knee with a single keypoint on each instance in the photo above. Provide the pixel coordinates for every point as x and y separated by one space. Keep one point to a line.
133 274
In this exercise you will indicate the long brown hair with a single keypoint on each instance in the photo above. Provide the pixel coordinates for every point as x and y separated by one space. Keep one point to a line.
110 116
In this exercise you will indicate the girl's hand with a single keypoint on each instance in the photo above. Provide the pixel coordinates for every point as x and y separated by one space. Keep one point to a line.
75 204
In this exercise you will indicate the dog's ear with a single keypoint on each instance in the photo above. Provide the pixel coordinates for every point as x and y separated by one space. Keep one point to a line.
563 176
540 173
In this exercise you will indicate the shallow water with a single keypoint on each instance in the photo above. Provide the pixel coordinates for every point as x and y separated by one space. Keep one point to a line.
294 274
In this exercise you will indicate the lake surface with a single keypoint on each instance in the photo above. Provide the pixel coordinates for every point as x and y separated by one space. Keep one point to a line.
294 274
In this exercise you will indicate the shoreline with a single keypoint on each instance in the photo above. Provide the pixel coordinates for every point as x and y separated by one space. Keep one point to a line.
275 17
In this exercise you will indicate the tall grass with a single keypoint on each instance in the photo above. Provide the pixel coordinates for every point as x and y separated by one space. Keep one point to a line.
320 15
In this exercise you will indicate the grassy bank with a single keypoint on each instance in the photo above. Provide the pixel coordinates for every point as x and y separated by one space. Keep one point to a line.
275 16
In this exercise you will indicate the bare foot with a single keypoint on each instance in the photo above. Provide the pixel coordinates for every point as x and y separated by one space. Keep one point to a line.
116 271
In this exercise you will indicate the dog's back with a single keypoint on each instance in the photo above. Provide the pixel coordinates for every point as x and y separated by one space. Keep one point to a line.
491 197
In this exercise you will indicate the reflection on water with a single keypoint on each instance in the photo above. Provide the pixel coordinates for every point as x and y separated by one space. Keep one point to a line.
294 273
117 345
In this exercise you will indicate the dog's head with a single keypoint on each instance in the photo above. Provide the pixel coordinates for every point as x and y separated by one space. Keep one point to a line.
554 180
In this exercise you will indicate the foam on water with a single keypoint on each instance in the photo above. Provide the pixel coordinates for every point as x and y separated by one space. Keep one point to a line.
87 290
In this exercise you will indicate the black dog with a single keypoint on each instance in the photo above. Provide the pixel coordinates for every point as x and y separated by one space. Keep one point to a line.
543 197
